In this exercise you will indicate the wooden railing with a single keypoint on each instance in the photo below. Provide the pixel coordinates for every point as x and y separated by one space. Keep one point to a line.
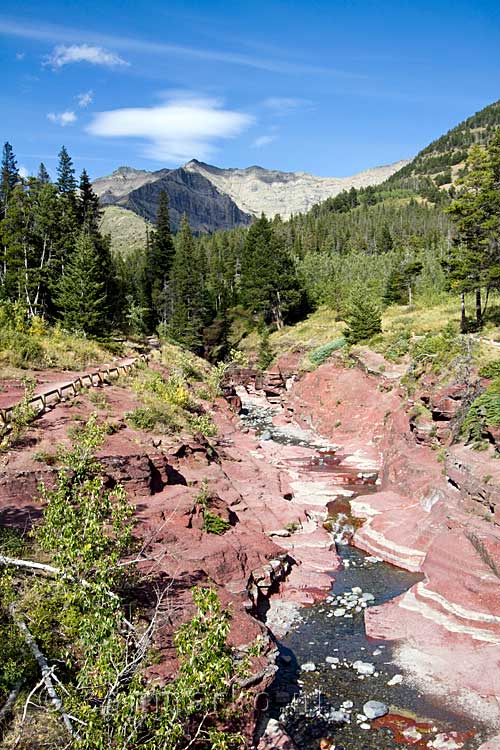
43 401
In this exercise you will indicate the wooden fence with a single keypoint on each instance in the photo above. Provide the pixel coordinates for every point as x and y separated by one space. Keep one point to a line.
50 398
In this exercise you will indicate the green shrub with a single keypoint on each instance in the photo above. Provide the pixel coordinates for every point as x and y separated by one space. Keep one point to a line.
394 345
152 417
484 411
214 524
204 424
321 354
21 417
491 370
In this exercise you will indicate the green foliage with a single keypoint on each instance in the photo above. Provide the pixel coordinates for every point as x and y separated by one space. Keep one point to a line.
362 317
187 292
394 345
269 286
21 416
321 354
437 352
214 524
82 297
203 423
491 370
484 411
153 417
266 355
85 523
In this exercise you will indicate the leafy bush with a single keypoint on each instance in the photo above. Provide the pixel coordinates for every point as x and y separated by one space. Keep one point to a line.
204 424
321 354
153 417
393 345
21 417
491 370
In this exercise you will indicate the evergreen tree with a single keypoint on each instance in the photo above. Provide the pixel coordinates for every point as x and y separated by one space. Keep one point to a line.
81 298
268 285
187 316
266 355
159 258
43 176
362 317
9 176
473 260
66 181
89 213
385 242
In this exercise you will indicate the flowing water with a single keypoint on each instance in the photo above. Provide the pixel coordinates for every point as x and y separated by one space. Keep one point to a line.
328 702
328 669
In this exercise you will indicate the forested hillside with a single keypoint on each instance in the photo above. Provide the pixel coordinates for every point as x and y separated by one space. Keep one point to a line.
443 159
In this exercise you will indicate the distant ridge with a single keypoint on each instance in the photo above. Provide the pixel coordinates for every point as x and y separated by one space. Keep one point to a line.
256 190
215 198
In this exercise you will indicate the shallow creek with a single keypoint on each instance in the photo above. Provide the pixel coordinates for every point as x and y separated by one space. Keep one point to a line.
328 669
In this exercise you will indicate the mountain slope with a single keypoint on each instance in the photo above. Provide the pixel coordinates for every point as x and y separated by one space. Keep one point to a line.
257 190
126 228
443 159
206 207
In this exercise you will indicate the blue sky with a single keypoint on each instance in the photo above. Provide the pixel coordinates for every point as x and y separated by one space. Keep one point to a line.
330 87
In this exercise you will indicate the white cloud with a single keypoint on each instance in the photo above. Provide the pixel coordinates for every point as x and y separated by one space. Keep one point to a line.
62 118
76 53
23 172
85 99
53 33
263 140
20 55
180 129
284 105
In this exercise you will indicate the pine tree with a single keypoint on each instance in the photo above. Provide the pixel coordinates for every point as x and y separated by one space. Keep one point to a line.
266 355
362 317
9 176
43 176
81 298
66 181
385 242
89 213
187 318
159 258
268 284
472 256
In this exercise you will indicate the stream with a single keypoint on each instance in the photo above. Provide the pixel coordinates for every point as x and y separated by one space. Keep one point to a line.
335 682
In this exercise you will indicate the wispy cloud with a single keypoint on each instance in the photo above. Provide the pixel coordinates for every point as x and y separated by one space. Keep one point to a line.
180 129
20 56
62 118
285 105
54 33
84 99
87 53
263 140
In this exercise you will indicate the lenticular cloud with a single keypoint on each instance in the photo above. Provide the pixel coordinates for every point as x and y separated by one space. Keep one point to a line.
181 129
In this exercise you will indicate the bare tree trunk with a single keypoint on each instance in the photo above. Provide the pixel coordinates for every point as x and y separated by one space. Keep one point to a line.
486 301
479 309
463 317
410 295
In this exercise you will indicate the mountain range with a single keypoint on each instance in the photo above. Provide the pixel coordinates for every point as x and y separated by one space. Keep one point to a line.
215 198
